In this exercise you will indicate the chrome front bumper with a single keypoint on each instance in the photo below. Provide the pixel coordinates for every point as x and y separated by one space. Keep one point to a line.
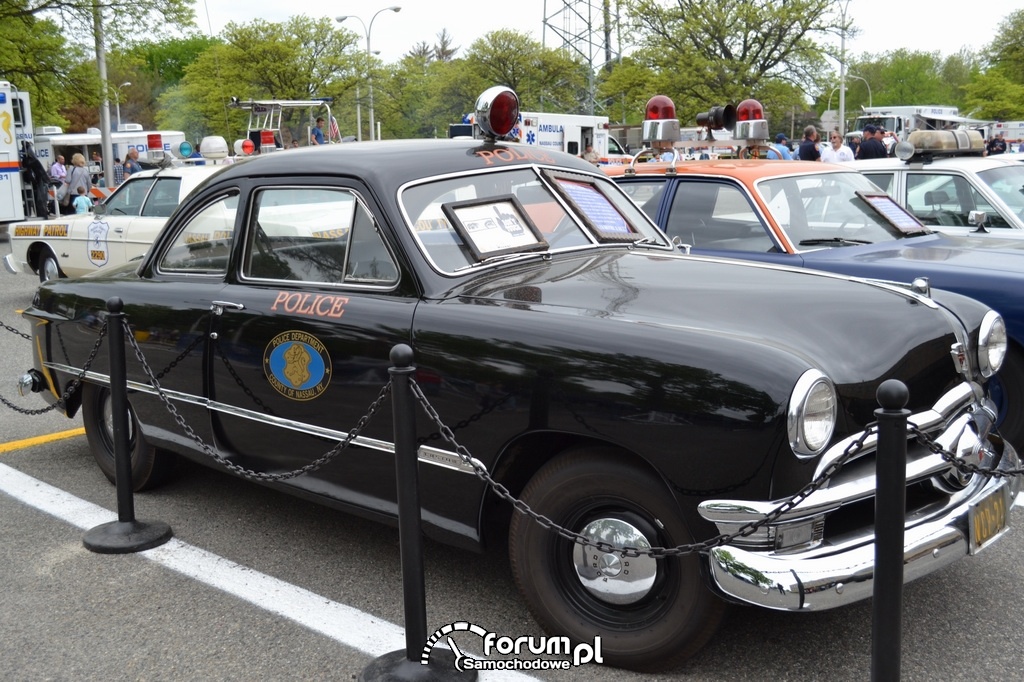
11 265
831 572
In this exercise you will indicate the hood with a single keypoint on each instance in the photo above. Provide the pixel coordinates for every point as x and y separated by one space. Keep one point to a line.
933 253
853 331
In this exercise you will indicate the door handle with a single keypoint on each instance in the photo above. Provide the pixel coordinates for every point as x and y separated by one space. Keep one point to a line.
217 307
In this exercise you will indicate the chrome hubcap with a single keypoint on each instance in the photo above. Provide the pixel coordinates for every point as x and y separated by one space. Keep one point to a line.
49 269
609 576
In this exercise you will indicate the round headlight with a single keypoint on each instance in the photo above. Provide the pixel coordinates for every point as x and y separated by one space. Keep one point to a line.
812 414
991 343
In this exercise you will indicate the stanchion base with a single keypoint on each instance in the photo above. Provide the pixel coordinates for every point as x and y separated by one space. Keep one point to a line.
124 537
396 667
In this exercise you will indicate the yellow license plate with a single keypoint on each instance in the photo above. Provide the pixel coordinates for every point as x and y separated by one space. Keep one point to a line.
988 518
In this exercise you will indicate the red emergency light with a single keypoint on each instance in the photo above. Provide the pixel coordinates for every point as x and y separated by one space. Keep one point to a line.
660 108
267 138
497 111
248 147
749 110
155 142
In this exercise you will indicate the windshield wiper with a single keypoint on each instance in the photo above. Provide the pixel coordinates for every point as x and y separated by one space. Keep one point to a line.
835 241
501 257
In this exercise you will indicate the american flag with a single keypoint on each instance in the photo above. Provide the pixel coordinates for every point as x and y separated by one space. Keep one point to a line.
335 133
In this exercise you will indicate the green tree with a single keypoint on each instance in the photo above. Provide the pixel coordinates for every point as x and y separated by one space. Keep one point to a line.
299 59
35 57
994 96
718 52
544 79
1006 51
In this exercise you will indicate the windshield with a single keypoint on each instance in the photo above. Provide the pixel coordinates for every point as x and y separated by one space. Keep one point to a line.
825 210
1008 183
477 218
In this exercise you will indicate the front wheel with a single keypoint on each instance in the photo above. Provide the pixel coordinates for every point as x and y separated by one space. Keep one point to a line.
150 467
651 614
48 266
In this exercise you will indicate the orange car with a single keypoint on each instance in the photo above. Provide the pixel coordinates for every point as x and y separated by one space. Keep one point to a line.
831 217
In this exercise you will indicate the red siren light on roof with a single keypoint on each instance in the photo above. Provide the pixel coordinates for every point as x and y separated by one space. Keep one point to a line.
749 110
497 111
751 124
660 108
248 147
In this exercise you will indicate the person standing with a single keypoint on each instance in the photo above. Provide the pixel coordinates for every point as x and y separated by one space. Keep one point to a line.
82 202
780 150
118 172
316 136
131 163
77 177
997 145
57 170
808 150
871 147
835 151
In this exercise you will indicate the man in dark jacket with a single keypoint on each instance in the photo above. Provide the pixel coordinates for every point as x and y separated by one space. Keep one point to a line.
39 179
870 146
808 150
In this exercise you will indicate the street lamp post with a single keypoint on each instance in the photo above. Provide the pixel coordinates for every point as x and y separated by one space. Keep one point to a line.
117 101
369 54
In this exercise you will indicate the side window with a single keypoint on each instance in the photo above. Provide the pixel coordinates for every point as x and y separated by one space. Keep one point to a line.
314 234
368 259
203 244
711 215
127 200
940 199
163 199
883 180
647 195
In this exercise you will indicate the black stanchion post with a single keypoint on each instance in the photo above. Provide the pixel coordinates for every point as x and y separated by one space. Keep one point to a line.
126 534
890 516
406 665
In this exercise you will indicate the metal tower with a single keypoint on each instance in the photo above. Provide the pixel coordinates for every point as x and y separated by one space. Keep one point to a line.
585 28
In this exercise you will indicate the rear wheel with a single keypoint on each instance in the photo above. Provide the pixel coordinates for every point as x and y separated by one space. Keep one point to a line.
651 614
150 467
48 267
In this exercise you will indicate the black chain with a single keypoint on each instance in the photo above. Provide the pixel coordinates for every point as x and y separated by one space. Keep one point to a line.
70 388
961 465
472 418
15 331
240 470
698 547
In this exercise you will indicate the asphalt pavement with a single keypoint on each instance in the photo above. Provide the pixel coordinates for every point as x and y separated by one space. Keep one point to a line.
257 584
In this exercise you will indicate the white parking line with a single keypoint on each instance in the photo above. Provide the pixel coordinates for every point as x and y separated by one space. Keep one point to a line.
344 624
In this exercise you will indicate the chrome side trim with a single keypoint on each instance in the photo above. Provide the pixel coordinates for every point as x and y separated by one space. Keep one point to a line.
427 454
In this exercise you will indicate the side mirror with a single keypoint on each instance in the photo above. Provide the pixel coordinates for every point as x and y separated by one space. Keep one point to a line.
99 209
978 219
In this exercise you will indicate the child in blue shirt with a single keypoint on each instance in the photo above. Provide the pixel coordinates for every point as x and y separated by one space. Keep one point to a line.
83 204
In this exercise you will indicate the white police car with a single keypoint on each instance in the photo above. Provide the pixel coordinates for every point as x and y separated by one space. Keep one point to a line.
942 178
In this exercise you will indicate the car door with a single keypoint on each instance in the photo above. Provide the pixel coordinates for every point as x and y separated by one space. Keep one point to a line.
158 205
303 341
101 241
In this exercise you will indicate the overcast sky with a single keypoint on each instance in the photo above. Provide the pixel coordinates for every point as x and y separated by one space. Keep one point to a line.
885 25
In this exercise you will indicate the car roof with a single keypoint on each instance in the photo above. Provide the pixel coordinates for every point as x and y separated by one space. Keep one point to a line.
973 164
385 164
742 169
